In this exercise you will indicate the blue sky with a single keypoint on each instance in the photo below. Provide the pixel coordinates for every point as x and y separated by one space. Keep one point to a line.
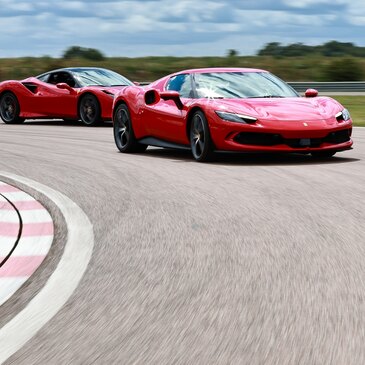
172 27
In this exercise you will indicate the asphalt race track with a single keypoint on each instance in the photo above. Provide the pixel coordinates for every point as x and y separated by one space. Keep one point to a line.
249 260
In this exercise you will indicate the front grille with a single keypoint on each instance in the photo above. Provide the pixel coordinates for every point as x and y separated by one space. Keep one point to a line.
259 139
271 139
303 142
338 137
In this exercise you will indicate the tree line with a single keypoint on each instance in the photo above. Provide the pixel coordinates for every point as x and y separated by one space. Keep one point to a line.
329 49
343 67
332 61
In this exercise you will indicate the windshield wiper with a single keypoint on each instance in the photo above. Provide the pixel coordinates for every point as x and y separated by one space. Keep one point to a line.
214 97
118 85
266 96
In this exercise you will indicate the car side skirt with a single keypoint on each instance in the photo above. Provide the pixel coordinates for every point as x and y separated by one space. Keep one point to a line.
151 141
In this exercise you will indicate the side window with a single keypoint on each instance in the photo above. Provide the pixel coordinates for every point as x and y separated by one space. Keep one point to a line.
43 78
182 84
58 77
53 78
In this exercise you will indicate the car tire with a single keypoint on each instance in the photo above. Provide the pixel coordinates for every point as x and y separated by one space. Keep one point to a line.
10 109
323 154
124 136
200 140
89 110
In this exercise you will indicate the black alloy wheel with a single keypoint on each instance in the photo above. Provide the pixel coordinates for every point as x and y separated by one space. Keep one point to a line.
200 140
89 110
123 131
9 109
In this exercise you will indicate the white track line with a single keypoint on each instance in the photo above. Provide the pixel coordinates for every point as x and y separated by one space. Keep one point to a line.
64 280
11 285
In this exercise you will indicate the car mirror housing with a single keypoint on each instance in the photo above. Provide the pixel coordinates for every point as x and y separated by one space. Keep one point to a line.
151 97
172 95
64 86
311 93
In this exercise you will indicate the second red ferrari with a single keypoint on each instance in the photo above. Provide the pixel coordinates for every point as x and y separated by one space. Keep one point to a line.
70 93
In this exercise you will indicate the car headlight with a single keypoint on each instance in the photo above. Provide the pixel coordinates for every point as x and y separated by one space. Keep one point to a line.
233 117
343 115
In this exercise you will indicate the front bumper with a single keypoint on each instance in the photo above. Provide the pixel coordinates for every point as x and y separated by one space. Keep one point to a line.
293 136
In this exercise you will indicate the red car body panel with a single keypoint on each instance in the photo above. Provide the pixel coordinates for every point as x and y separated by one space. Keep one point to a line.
291 118
43 100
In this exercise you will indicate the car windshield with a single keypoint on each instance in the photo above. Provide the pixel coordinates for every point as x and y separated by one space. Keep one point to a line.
235 85
99 77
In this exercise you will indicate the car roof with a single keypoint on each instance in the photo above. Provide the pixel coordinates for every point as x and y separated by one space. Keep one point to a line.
72 69
75 69
219 69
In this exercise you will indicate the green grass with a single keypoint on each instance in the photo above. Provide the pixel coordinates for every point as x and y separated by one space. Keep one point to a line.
356 107
307 68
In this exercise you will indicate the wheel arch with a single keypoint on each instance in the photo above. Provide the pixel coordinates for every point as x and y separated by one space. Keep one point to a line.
19 117
189 119
16 88
2 92
82 96
118 102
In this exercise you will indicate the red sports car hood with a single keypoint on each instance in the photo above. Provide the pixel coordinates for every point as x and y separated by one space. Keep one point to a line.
284 109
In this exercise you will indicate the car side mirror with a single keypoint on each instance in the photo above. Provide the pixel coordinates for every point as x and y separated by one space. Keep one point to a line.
172 95
151 97
64 86
311 93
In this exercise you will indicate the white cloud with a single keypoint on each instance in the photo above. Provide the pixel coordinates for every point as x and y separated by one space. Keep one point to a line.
170 27
356 12
74 5
16 5
14 25
307 3
280 19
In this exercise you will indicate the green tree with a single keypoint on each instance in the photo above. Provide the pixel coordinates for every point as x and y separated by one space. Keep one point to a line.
338 49
343 69
232 53
296 50
82 52
329 49
271 49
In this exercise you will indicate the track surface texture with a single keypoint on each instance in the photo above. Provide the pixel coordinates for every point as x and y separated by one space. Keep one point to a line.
248 260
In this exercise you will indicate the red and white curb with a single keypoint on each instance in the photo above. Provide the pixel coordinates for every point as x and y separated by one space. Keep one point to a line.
26 235
64 279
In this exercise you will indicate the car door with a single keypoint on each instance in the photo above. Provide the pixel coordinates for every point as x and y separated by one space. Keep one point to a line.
165 120
55 102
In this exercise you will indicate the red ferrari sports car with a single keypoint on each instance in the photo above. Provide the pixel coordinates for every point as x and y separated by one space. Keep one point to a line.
229 109
70 93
